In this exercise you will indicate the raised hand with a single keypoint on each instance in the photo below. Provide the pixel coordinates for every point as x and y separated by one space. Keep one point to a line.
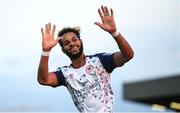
48 41
108 23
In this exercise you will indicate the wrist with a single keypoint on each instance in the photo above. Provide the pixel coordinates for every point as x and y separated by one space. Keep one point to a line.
46 50
45 53
115 34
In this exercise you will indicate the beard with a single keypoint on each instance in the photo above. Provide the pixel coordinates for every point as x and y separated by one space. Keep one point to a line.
75 56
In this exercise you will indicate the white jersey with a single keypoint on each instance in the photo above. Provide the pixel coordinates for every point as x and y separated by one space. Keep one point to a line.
90 85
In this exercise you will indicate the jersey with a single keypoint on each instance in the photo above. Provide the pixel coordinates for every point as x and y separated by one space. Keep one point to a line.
90 85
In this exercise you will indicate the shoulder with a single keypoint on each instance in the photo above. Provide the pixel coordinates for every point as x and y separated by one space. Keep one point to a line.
62 70
60 76
99 55
106 60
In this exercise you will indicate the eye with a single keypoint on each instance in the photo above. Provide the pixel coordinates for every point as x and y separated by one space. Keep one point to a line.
65 43
75 39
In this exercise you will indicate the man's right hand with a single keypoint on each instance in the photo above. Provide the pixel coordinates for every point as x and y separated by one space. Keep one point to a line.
48 41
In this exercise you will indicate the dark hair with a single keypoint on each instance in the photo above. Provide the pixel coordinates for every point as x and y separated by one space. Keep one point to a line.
65 30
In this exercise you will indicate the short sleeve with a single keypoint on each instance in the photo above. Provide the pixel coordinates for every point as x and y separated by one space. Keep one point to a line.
60 77
107 61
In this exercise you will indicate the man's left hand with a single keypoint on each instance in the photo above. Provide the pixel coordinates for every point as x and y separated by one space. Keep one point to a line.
107 18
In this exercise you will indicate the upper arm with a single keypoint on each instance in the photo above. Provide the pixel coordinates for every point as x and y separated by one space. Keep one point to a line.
119 59
52 80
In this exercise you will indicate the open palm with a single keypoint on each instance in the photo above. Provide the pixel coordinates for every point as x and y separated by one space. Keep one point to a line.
48 41
108 23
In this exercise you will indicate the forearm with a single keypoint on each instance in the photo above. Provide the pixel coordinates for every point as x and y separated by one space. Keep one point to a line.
43 69
124 46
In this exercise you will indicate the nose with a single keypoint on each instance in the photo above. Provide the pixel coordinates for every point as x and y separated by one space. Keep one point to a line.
71 44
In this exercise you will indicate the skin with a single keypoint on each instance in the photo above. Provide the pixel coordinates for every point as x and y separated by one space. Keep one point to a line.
72 44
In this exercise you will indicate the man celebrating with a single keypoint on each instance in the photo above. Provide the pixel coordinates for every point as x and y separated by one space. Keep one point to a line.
88 76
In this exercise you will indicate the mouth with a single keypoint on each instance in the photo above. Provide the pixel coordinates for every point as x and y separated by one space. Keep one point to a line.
74 49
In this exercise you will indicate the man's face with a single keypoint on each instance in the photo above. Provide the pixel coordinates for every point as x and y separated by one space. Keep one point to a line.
72 45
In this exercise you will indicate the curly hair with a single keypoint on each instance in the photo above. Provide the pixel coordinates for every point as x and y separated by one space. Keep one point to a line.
65 30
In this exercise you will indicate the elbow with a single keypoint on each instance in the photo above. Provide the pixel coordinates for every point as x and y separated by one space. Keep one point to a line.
41 81
130 55
45 82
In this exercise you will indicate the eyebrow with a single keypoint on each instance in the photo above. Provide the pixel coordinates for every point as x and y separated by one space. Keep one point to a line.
65 41
72 38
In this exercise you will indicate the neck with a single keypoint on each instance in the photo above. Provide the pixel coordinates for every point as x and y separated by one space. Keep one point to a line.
79 62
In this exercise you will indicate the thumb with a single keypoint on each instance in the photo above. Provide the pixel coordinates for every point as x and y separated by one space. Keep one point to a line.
57 40
98 24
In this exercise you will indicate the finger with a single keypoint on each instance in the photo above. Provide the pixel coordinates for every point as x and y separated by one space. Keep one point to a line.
100 14
49 26
57 40
53 30
42 32
46 29
103 10
99 24
106 11
112 14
